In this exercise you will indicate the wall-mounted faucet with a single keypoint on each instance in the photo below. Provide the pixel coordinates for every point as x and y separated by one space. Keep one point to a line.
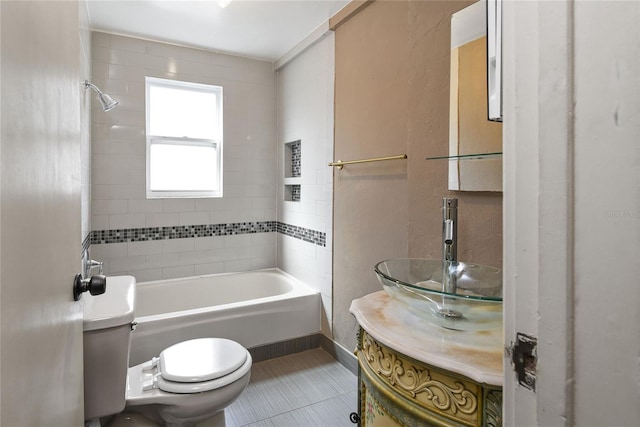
89 264
449 229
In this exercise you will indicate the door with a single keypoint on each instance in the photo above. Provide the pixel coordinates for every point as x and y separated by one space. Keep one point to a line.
41 325
572 212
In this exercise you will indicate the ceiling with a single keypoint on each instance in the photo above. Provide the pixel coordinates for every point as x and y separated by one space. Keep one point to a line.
260 29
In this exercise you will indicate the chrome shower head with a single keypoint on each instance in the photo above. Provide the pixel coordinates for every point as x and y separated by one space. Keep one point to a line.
107 102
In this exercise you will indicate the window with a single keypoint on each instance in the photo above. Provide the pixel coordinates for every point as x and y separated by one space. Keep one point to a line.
184 139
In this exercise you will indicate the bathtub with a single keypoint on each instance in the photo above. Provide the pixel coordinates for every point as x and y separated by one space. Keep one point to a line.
252 308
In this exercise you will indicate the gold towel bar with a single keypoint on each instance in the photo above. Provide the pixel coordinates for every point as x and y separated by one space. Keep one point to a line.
340 164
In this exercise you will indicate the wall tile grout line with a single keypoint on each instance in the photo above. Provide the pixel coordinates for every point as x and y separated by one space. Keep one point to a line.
98 237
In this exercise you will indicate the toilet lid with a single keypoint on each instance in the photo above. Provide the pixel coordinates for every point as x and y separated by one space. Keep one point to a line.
189 388
201 360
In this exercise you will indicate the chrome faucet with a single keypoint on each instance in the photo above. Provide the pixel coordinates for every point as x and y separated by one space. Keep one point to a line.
449 245
89 264
92 264
449 229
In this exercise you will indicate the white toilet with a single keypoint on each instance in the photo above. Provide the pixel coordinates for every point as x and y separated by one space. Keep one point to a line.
187 383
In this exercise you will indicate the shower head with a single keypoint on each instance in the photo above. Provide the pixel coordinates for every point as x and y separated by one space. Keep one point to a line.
107 102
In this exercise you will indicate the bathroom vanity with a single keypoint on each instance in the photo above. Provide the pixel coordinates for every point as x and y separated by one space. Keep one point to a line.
411 372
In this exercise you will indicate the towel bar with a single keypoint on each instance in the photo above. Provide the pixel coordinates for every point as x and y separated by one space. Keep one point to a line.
340 164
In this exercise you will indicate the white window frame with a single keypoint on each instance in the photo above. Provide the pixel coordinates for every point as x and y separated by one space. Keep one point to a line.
185 140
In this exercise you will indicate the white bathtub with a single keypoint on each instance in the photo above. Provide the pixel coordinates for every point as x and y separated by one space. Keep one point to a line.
252 308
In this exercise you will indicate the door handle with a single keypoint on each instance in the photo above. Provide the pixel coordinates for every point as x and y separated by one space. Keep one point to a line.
96 285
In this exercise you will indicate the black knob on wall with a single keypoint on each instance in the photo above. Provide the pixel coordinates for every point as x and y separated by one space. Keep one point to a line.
96 285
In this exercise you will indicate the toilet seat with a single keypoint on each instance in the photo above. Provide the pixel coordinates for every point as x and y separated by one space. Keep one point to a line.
197 365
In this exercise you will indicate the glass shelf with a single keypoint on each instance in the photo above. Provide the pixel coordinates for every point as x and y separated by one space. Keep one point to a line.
467 156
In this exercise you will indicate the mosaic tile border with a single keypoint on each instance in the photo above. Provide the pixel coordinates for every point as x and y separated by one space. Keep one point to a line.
301 233
99 237
179 232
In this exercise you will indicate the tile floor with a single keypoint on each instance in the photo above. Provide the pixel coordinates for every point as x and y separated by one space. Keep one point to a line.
309 389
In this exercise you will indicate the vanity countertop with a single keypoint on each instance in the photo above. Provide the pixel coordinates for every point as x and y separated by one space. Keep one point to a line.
476 355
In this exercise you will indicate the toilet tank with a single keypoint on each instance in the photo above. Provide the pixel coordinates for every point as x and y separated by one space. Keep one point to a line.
107 338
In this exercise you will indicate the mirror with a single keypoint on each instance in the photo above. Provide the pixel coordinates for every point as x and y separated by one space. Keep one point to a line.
472 136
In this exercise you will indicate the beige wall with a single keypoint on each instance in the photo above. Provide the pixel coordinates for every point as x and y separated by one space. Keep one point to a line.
392 97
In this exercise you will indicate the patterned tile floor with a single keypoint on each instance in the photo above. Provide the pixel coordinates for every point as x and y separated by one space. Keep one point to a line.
308 389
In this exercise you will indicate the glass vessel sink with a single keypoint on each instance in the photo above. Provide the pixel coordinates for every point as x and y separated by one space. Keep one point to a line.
450 294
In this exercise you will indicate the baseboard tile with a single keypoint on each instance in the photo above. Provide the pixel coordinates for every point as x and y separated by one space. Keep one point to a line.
346 358
297 345
283 348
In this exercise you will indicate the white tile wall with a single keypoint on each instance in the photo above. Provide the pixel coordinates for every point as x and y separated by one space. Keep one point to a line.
305 112
163 259
117 188
253 163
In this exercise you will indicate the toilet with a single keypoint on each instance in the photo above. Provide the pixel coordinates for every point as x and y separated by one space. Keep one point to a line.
187 383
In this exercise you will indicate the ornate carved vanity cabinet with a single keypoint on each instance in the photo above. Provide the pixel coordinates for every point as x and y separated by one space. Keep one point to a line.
412 373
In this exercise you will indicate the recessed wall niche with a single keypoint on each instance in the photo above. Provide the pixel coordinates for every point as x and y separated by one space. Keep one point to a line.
292 171
292 159
292 193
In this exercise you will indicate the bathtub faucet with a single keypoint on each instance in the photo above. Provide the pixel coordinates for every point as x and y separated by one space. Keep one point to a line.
89 264
92 264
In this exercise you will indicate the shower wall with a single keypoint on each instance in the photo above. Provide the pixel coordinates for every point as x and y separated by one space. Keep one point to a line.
305 147
167 238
